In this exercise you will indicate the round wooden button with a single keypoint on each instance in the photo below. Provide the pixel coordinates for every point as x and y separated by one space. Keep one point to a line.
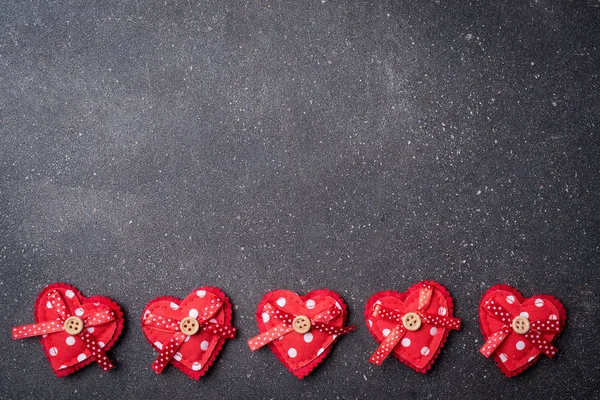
73 325
411 321
301 324
521 325
189 326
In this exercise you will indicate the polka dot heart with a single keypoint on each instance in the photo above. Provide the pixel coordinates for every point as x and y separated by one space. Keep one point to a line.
169 324
323 313
417 339
517 330
102 321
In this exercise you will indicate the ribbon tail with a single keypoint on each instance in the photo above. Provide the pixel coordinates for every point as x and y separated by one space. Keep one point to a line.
386 347
548 326
224 331
326 316
342 330
441 321
160 323
333 330
31 330
267 337
168 352
58 303
542 344
424 297
387 314
97 352
494 341
98 318
498 312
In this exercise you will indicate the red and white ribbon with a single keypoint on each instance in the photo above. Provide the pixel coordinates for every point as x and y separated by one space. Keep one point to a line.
168 351
494 341
90 318
319 322
395 335
534 335
167 324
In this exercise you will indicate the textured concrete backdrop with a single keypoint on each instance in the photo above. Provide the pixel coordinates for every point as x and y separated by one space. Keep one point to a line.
150 147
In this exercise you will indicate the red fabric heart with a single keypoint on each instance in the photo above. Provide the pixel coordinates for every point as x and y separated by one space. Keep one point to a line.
300 352
102 320
195 353
515 352
419 348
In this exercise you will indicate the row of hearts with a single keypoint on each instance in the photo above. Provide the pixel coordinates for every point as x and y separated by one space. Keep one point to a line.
443 313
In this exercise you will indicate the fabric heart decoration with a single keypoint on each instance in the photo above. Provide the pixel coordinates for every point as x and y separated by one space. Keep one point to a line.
412 326
75 330
517 330
188 333
300 330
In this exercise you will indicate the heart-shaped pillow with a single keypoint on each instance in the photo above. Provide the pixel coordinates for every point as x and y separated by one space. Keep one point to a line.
75 330
188 333
413 326
518 329
300 330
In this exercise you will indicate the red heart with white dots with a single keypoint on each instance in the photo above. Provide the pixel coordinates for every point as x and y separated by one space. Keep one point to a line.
164 317
420 347
518 330
300 351
101 319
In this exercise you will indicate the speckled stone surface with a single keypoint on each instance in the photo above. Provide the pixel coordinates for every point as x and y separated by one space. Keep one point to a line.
147 148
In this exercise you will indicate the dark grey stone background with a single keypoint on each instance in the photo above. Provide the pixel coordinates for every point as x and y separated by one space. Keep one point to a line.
150 147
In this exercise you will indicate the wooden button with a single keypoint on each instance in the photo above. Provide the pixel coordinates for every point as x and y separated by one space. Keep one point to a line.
411 321
521 325
73 325
301 324
189 326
